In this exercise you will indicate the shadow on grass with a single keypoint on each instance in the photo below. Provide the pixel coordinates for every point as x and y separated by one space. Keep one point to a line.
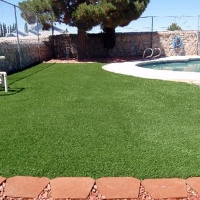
35 71
11 91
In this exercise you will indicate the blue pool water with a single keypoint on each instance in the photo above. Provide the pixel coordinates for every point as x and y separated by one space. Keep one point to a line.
188 66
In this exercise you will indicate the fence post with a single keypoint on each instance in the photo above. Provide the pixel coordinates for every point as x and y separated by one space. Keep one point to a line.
198 36
152 32
38 37
18 46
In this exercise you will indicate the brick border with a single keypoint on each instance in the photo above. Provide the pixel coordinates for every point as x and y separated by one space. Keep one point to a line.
27 187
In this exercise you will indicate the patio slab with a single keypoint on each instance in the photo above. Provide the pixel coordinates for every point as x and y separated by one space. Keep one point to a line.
2 179
165 188
118 187
71 187
25 186
194 183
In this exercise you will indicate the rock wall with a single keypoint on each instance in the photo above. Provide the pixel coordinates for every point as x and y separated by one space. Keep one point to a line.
31 52
65 46
128 44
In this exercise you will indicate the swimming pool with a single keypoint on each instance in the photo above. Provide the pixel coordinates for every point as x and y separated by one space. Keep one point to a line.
188 65
141 69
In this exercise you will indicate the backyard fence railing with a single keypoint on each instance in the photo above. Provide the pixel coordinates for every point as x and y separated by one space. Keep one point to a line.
14 29
162 23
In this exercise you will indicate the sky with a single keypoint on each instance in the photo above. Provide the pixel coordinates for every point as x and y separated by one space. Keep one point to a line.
165 12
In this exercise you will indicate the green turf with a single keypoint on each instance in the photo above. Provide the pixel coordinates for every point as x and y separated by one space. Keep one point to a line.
79 120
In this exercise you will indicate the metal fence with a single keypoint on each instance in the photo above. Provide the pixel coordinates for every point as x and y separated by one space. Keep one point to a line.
14 27
10 15
12 21
161 23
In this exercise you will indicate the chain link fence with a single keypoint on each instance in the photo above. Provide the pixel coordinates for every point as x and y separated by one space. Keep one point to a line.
14 29
161 23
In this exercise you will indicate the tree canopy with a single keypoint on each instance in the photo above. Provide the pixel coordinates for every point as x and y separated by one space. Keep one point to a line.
38 10
174 27
85 14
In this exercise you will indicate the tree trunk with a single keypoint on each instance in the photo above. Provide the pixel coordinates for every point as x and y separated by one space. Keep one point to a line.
81 46
109 38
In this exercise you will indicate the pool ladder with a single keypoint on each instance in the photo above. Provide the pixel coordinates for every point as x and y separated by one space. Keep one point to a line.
152 55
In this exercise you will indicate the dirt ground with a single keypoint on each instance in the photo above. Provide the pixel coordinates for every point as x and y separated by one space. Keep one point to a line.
103 60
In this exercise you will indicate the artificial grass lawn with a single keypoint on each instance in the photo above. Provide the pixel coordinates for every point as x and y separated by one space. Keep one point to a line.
79 120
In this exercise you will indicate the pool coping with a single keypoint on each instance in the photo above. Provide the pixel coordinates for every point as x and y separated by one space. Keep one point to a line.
131 69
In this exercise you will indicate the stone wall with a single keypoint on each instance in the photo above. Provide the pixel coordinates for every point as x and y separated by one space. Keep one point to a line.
128 44
30 49
65 46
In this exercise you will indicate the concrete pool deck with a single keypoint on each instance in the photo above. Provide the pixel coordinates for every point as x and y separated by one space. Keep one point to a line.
131 69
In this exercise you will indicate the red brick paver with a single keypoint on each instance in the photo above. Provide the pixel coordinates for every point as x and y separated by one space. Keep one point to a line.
25 186
194 183
165 188
2 186
118 187
2 179
71 187
86 188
